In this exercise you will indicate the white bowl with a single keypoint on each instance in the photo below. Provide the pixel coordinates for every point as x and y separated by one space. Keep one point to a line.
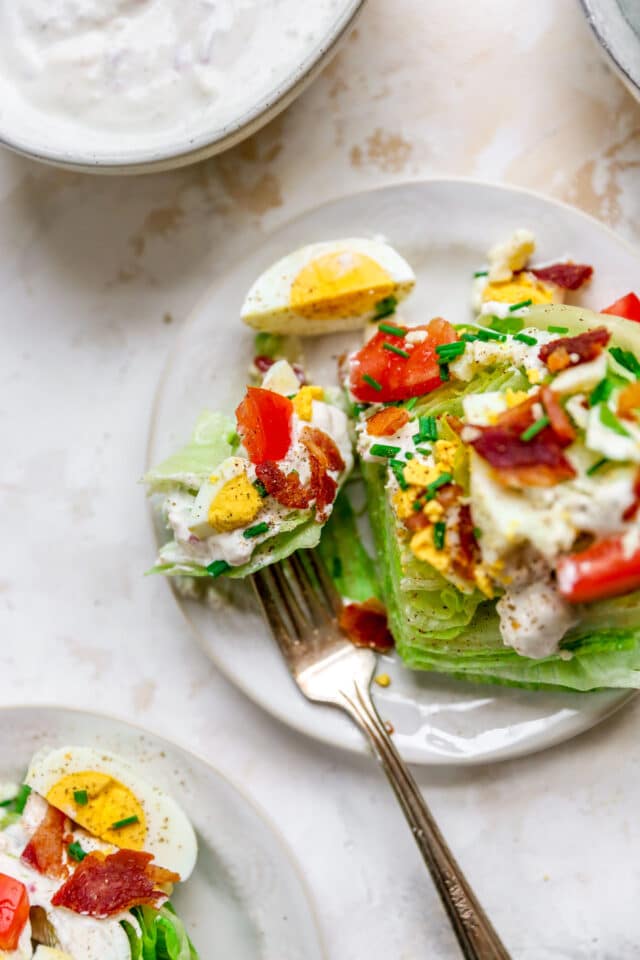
24 132
616 26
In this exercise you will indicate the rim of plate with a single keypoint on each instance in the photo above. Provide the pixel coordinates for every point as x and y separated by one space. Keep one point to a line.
608 27
254 806
192 149
573 727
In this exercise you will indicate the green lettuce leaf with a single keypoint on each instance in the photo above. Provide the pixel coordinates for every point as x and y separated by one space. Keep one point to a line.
350 566
213 440
162 935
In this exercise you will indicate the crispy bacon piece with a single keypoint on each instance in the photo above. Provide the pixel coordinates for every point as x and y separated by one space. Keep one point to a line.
569 276
288 490
366 625
284 487
518 418
464 549
538 462
629 401
326 444
570 351
44 852
559 421
103 886
386 422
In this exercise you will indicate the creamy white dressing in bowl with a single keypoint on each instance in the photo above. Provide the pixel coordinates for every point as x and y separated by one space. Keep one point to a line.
144 84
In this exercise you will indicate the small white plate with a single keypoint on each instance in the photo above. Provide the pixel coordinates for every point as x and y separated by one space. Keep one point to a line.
245 899
616 25
443 228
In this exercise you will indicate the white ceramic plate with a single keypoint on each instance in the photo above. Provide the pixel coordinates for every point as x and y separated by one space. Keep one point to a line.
245 899
443 227
58 142
616 25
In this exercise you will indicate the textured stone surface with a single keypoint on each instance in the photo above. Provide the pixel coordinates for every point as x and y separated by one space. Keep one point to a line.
96 275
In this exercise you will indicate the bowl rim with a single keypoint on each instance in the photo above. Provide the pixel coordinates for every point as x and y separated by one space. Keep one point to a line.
190 150
608 24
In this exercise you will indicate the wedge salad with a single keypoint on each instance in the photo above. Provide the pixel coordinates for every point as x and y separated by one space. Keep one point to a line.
500 452
89 855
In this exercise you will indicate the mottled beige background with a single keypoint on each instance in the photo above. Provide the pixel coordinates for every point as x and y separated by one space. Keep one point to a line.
95 275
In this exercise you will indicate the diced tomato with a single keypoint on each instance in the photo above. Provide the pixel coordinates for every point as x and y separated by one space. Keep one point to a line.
264 423
605 569
379 374
14 912
627 307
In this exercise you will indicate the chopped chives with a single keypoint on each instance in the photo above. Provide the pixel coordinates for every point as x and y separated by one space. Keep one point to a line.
439 530
411 403
260 487
372 383
336 568
507 324
385 307
525 338
483 333
553 329
535 428
447 351
469 337
601 392
391 347
596 466
255 531
440 481
427 429
416 505
127 822
481 273
21 800
409 455
477 532
7 803
520 305
383 450
217 568
392 330
424 451
76 852
626 359
233 439
81 797
397 466
444 371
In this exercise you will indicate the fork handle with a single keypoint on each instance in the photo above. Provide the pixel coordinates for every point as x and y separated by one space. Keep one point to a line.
477 938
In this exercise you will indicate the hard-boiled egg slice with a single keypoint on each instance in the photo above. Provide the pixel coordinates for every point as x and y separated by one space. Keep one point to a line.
106 795
327 287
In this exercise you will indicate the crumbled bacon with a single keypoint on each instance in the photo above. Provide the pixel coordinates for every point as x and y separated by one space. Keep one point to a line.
464 549
386 422
559 421
538 462
366 625
326 444
103 886
288 489
570 351
569 276
44 852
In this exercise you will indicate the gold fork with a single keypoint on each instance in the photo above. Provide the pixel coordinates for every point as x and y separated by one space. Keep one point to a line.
302 607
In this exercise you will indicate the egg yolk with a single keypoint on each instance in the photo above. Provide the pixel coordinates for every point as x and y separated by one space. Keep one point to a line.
339 283
522 287
109 804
